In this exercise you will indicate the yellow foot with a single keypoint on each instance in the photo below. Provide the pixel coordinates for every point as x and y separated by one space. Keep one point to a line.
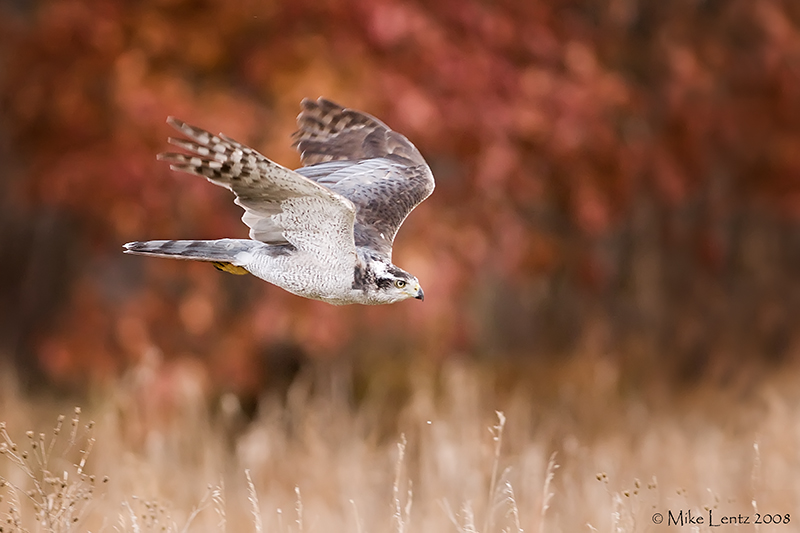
233 269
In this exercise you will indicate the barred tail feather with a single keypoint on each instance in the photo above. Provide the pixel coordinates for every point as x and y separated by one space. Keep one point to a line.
220 251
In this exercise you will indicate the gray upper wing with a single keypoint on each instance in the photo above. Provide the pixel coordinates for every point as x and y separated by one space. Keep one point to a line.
359 157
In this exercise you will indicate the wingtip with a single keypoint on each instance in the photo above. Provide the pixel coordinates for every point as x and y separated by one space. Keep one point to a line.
309 104
178 125
172 158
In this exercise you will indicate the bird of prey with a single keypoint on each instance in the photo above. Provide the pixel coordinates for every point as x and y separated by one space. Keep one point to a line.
323 231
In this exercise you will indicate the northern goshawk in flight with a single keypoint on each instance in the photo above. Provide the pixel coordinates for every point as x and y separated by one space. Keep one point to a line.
323 231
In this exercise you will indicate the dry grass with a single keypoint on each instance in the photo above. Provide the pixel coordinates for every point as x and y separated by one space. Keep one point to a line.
462 447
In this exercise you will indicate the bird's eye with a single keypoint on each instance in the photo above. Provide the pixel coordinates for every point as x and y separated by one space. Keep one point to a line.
399 283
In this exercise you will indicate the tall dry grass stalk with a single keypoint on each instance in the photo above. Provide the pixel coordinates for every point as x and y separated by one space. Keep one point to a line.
46 482
422 438
252 497
402 513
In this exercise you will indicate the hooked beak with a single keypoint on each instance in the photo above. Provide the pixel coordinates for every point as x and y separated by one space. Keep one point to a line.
420 295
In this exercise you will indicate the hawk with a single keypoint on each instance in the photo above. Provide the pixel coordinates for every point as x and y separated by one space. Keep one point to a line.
323 231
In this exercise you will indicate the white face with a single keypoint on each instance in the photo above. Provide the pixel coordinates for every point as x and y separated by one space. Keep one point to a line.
402 289
393 285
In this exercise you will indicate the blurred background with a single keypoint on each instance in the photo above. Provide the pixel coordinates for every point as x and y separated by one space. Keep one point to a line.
619 178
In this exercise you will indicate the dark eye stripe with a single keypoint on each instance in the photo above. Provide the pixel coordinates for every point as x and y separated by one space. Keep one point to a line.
383 283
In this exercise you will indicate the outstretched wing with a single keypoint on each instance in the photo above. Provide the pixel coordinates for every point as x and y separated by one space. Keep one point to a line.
359 157
281 206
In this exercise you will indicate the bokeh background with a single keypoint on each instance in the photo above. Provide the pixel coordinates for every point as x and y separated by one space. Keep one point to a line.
620 175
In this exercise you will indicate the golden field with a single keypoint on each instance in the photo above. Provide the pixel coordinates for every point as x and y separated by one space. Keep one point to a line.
462 446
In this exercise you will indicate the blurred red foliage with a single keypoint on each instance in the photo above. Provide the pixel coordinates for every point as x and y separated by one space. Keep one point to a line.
629 162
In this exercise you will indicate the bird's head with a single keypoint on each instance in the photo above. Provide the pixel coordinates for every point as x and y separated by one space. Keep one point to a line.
385 283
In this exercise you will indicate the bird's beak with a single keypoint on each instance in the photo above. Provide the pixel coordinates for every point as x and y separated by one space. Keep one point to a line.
420 295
